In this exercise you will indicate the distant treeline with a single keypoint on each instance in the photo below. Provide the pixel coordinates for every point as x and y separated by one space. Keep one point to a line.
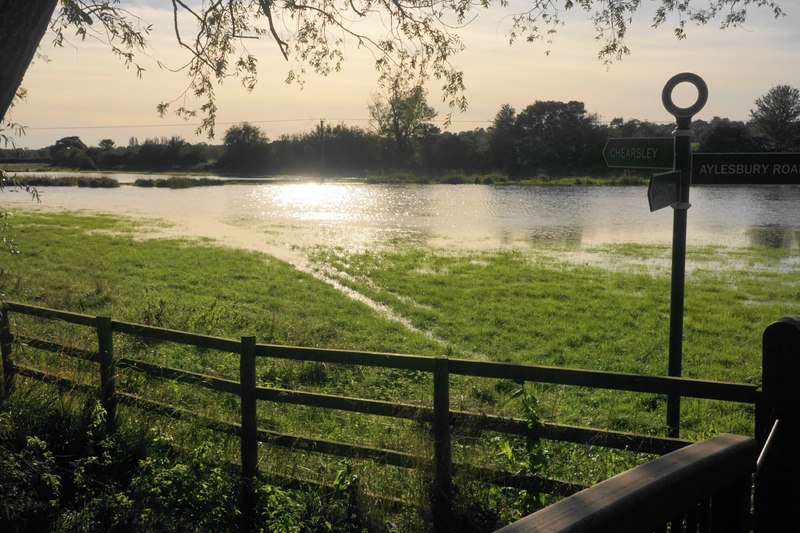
547 138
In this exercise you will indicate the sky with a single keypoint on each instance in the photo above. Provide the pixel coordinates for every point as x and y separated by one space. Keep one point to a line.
82 89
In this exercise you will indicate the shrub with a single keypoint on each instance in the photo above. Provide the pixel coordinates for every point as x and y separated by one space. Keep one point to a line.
178 496
29 487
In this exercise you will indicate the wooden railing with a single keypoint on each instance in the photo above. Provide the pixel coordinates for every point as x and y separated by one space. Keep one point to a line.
442 419
702 488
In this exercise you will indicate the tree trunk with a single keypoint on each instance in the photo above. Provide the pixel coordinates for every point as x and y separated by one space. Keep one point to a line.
22 26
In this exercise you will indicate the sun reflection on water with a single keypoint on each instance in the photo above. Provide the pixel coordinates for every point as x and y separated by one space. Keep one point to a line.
315 201
292 214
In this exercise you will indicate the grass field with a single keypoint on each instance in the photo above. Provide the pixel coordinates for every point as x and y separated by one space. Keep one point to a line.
562 305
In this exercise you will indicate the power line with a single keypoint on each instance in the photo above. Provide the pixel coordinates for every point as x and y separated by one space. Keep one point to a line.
266 121
163 125
229 123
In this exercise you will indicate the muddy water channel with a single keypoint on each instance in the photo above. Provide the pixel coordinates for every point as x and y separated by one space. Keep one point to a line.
283 217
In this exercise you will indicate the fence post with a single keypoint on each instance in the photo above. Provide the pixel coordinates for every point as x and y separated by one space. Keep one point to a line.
442 494
108 368
249 438
777 490
7 369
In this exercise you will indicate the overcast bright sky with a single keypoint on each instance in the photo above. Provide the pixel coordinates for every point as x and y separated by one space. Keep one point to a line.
83 90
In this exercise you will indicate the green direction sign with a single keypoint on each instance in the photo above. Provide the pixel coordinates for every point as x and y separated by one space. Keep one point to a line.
664 189
639 152
746 168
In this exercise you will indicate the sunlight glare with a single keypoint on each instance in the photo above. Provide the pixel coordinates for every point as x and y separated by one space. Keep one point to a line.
316 201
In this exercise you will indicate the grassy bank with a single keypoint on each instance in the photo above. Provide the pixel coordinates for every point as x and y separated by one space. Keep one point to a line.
178 182
190 179
601 308
76 180
503 179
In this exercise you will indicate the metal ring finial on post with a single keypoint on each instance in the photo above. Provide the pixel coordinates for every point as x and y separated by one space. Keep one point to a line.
674 81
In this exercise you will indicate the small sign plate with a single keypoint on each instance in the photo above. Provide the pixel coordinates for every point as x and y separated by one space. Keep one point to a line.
640 152
664 190
746 168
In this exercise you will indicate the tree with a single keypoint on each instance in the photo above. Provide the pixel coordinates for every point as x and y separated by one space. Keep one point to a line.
166 153
315 34
71 152
620 127
246 150
503 140
349 148
558 136
724 135
401 114
777 118
106 144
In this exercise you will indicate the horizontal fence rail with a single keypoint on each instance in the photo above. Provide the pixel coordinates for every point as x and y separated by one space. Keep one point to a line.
694 388
444 421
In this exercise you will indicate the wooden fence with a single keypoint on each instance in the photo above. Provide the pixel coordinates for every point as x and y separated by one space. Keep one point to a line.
704 487
439 415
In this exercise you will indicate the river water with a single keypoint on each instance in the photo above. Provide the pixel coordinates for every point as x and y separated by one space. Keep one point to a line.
283 217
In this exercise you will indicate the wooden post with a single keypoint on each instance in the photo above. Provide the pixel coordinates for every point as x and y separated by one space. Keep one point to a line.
108 366
777 490
7 369
442 493
249 438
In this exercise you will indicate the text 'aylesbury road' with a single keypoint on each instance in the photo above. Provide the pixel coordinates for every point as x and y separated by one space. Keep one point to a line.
741 168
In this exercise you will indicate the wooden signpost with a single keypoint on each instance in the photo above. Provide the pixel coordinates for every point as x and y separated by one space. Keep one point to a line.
683 170
668 189
671 189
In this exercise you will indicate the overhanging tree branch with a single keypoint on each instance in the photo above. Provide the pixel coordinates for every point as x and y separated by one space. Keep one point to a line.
282 45
420 35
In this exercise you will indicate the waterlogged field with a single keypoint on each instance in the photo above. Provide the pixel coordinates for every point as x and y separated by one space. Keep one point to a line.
592 307
603 308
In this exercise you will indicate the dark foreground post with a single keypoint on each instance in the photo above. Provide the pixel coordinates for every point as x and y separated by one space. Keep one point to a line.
7 368
108 388
249 438
683 162
777 486
442 492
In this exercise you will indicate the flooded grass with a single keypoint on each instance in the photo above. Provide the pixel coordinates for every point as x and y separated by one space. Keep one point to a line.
600 307
95 265
603 308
